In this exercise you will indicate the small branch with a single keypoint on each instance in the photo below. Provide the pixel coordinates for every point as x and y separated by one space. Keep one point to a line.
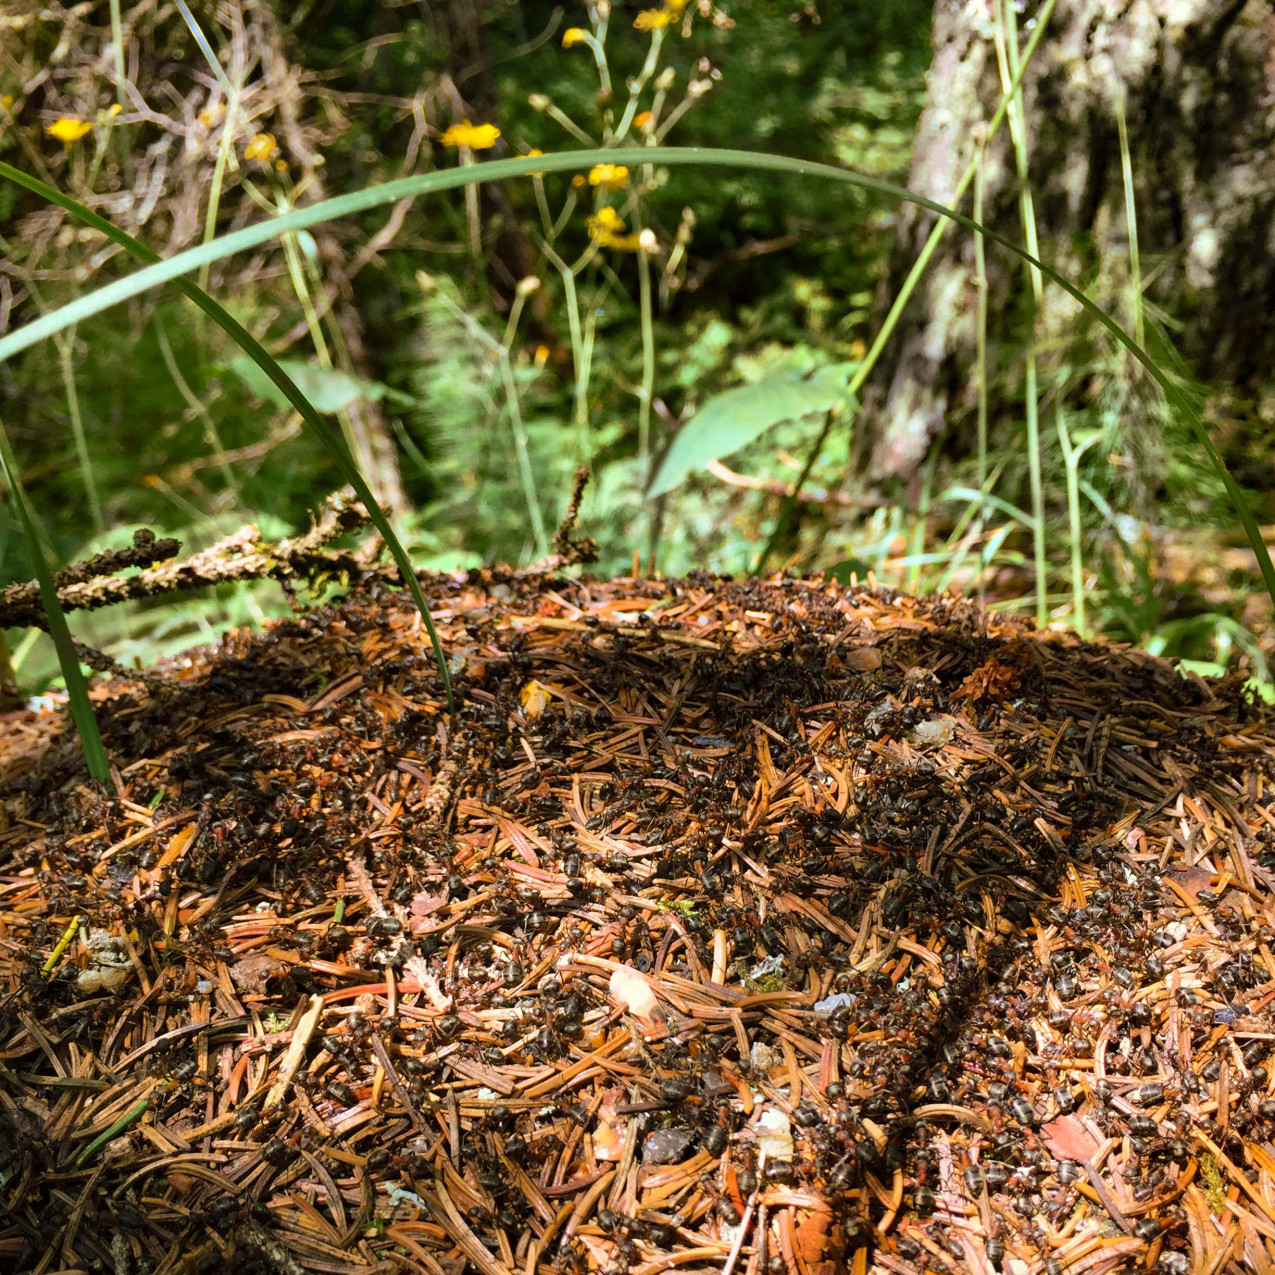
146 551
843 500
88 585
565 552
562 537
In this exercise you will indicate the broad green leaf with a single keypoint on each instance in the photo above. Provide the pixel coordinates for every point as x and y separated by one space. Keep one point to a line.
328 388
731 420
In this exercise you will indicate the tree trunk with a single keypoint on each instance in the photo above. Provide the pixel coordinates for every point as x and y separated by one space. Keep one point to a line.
1195 78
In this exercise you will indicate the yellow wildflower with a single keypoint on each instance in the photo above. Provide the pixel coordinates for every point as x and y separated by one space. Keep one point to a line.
6 100
579 180
478 137
113 110
653 19
68 130
609 176
571 36
261 147
531 154
605 221
542 355
644 119
210 116
607 228
281 165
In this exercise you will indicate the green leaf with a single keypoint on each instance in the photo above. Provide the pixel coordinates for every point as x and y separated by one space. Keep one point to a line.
328 388
733 419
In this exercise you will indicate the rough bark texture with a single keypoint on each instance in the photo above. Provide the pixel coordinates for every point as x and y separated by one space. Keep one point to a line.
1197 80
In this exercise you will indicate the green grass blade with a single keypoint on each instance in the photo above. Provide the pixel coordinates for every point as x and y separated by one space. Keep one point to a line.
76 687
257 352
505 169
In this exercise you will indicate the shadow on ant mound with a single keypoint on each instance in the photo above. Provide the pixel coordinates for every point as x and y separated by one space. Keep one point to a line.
868 910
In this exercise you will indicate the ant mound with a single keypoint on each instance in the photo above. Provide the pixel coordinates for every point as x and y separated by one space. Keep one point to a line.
745 928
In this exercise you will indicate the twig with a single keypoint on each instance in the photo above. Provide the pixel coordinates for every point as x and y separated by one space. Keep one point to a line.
89 585
843 500
566 553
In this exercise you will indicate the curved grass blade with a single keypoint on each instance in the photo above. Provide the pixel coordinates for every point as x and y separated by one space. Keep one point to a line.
76 687
502 169
257 352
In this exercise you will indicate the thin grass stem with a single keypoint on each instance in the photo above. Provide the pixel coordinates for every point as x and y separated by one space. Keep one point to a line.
157 482
559 116
637 84
225 143
940 227
212 435
1131 221
597 45
789 502
922 514
980 335
66 363
525 470
542 205
76 687
646 390
582 382
473 220
1007 56
515 317
580 410
117 48
928 249
1071 462
301 287
517 427
20 652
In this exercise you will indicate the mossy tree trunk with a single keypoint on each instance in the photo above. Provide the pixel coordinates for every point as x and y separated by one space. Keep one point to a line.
1196 82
